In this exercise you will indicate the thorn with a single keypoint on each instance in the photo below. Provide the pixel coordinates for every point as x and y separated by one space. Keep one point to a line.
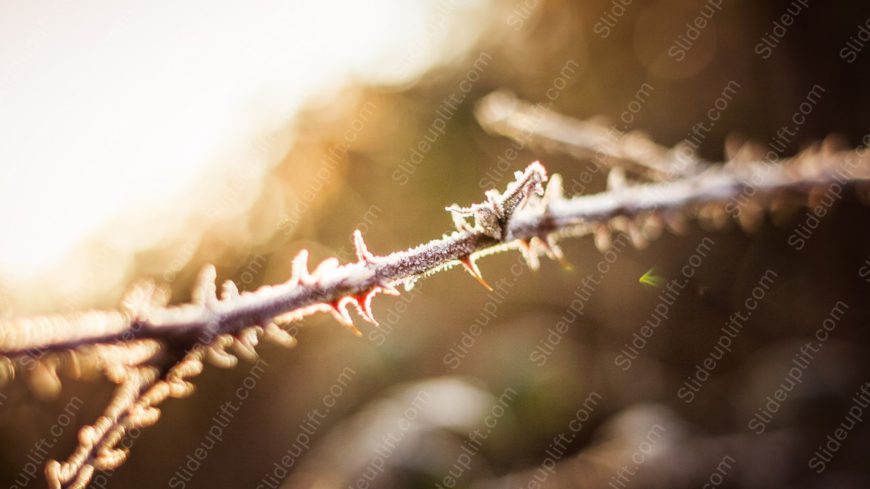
651 226
219 357
676 222
229 290
362 251
636 236
142 298
602 238
205 291
389 289
471 267
179 388
288 317
299 266
44 380
363 303
339 311
250 336
147 416
530 255
276 334
533 247
621 224
733 144
543 246
409 283
713 216
244 344
616 179
557 252
750 216
554 191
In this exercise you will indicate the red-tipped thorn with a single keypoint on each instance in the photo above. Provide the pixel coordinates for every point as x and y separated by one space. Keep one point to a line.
362 251
342 316
558 254
530 255
363 303
471 268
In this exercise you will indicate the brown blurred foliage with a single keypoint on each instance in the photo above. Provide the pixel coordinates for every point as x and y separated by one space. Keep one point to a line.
322 190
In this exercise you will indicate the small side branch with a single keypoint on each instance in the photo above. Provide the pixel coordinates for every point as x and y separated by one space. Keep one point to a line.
504 114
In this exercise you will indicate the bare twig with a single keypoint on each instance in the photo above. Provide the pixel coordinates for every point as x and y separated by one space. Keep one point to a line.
503 113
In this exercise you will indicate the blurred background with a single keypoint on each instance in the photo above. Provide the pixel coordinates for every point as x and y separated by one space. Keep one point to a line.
147 139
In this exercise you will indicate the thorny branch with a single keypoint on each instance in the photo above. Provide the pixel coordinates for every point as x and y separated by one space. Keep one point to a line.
739 189
150 348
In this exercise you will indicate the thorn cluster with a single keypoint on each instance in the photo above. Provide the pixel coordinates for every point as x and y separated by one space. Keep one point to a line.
491 215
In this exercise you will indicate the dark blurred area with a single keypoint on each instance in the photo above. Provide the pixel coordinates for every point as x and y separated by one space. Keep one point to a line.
461 387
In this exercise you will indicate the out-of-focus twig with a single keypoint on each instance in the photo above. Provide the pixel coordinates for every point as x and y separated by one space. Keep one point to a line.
503 113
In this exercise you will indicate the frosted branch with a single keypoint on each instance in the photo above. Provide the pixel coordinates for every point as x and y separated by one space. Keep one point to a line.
150 348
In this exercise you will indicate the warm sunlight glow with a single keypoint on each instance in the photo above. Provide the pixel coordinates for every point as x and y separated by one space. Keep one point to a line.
110 106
